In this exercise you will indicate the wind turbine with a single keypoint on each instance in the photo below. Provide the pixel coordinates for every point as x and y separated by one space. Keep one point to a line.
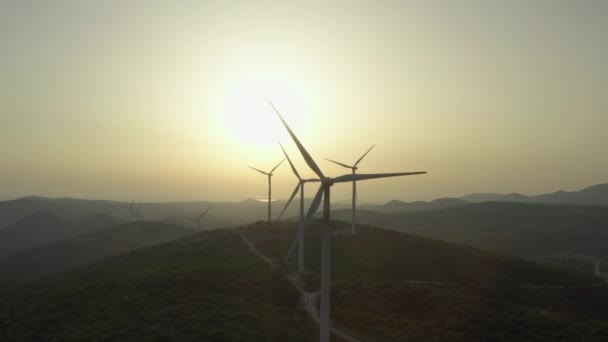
354 170
198 220
300 235
269 174
131 207
137 219
324 193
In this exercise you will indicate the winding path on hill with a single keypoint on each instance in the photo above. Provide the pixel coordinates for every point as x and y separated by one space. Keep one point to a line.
309 299
254 250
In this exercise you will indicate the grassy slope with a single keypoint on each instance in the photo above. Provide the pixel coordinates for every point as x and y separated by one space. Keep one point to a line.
216 289
371 298
60 256
569 235
204 287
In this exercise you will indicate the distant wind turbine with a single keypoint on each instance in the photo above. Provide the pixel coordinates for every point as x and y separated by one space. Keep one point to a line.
354 170
137 220
198 220
324 193
269 174
131 208
300 235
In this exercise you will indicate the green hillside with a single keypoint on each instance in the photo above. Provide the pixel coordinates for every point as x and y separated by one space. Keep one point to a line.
569 236
387 286
204 287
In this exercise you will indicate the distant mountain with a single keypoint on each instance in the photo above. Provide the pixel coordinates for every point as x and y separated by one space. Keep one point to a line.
395 206
81 211
99 221
60 256
34 230
68 209
594 195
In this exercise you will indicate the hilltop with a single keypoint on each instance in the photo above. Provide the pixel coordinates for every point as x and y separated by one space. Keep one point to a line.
386 286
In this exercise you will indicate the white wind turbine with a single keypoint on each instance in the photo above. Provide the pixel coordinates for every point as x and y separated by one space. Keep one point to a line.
354 170
198 220
324 193
269 174
300 234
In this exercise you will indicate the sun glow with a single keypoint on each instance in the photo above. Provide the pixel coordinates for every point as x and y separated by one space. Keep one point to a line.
247 116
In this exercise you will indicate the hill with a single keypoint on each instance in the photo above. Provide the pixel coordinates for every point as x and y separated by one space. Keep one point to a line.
386 286
390 286
593 195
34 230
566 235
205 287
81 211
395 206
60 256
99 221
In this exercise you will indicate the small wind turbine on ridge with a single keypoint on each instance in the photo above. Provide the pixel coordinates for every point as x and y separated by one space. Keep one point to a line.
137 221
198 220
354 170
269 175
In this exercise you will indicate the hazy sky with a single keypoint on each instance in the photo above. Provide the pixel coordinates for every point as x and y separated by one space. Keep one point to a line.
164 100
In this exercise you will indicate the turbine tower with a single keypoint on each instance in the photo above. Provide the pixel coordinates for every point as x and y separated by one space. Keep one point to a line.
300 236
198 220
269 174
137 219
354 171
324 193
131 208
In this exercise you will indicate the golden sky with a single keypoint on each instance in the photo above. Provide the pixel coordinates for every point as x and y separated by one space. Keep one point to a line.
168 100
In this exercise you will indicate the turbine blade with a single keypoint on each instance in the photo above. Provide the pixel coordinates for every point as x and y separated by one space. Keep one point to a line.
295 192
279 164
311 163
205 213
293 168
316 202
291 249
363 156
335 162
360 177
258 170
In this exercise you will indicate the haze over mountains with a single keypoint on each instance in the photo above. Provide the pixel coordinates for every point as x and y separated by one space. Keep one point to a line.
229 213
593 195
41 239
